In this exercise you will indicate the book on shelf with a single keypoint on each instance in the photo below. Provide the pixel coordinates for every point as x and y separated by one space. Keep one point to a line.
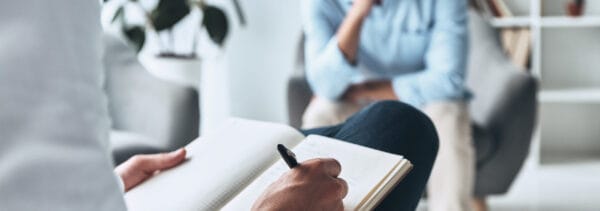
508 37
516 42
522 50
503 8
495 8
492 9
228 169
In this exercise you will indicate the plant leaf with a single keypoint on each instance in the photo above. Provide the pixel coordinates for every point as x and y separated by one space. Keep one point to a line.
216 24
118 14
136 36
240 12
168 13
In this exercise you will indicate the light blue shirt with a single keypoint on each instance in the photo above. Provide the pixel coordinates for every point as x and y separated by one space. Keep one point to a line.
420 45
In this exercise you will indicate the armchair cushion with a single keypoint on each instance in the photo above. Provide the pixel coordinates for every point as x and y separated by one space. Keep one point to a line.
140 103
127 144
503 108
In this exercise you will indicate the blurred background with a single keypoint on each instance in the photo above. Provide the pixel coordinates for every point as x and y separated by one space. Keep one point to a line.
170 83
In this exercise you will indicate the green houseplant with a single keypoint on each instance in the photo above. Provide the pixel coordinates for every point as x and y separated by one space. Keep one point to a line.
165 15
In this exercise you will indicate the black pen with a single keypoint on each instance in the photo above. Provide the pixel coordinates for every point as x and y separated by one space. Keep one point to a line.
288 156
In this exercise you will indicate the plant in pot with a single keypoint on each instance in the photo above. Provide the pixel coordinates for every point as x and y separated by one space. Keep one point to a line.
160 21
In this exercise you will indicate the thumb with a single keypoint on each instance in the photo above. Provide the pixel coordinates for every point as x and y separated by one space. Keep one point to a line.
155 162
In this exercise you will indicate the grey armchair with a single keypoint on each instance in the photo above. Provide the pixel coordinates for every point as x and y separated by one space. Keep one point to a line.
149 115
503 110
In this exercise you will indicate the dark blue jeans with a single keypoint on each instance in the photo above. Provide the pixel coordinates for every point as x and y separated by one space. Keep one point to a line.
397 128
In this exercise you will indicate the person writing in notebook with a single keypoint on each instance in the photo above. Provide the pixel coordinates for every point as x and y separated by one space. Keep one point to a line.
313 185
415 51
54 126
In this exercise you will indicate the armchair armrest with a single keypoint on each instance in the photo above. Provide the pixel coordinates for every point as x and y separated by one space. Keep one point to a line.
508 111
299 95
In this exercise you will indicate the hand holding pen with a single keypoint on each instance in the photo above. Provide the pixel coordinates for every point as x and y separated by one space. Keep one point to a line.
310 185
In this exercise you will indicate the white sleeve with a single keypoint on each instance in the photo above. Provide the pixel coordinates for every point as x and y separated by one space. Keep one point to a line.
53 114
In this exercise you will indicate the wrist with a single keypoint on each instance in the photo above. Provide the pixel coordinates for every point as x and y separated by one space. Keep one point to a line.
359 11
357 15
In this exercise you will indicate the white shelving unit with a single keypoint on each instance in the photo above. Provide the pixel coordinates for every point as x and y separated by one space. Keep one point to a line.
565 57
570 96
523 21
570 22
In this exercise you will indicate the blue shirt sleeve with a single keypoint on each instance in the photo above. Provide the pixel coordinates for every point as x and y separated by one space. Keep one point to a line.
445 61
328 71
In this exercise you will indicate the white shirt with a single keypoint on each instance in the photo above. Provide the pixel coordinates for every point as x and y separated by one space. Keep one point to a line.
53 113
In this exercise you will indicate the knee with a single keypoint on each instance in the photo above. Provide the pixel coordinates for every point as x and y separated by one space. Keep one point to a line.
392 109
318 114
322 112
405 122
395 112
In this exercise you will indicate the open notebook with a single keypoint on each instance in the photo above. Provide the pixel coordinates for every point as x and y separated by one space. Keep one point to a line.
229 169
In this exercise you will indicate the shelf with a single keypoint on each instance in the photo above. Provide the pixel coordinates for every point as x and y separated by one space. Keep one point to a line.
523 21
547 22
563 21
570 96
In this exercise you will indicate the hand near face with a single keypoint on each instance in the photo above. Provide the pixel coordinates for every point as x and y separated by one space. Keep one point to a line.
363 7
141 167
313 185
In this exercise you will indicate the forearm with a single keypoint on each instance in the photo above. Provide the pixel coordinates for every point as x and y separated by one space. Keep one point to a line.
429 86
331 50
349 32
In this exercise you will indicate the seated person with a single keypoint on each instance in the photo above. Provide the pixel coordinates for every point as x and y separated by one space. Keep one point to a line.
54 126
415 51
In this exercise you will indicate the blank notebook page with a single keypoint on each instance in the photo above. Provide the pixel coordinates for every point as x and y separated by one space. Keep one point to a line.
220 165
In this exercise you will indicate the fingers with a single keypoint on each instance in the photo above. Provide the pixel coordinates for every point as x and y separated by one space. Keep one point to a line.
155 162
339 207
331 167
342 188
313 185
350 94
141 167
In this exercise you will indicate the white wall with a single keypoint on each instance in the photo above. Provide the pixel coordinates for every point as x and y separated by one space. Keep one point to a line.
259 58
